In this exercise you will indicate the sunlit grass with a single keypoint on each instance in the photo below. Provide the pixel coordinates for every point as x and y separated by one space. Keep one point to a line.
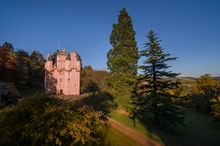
200 129
115 138
136 125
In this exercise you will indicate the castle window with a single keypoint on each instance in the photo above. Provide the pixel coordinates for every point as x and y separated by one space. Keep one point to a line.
69 79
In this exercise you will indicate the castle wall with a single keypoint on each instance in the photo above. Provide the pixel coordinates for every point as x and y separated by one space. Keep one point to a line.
63 76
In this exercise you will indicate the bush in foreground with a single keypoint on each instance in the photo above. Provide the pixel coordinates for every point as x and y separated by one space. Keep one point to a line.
45 121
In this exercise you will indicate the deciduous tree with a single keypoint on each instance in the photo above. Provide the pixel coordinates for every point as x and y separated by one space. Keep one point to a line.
207 91
8 63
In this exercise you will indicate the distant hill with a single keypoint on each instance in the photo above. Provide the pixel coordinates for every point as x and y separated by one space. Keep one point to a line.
187 80
217 78
192 80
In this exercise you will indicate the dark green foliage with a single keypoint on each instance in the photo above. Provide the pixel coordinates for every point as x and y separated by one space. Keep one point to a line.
100 101
8 46
122 60
94 86
153 87
44 121
92 80
23 68
36 75
216 110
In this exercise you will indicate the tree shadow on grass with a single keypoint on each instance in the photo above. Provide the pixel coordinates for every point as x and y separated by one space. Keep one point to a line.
162 134
100 100
194 132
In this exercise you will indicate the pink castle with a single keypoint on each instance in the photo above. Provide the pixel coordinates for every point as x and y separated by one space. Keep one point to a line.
62 73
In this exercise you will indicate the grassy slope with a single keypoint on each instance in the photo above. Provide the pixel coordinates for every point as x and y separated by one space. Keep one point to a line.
115 138
137 125
200 129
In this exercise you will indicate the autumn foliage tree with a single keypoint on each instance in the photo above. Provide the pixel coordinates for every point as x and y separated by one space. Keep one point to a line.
207 95
21 68
207 86
8 63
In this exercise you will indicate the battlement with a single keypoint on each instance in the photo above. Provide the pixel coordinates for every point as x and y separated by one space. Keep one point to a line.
61 60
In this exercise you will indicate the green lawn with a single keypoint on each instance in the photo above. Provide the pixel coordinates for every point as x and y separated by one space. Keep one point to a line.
199 130
115 138
137 125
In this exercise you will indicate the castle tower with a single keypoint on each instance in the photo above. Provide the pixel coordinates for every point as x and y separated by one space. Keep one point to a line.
62 73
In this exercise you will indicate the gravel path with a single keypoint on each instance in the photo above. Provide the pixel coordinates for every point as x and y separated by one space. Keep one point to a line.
132 134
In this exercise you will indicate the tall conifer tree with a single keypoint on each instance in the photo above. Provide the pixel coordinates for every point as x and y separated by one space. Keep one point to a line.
152 90
122 60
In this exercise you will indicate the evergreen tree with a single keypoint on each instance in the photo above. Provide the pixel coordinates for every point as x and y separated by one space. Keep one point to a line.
8 46
122 60
152 90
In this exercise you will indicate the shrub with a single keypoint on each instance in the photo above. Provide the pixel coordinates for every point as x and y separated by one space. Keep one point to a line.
45 121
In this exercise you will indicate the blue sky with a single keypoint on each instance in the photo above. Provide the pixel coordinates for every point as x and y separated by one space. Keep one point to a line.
189 29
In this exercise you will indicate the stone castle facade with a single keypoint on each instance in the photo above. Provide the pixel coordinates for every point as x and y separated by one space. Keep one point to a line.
62 73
